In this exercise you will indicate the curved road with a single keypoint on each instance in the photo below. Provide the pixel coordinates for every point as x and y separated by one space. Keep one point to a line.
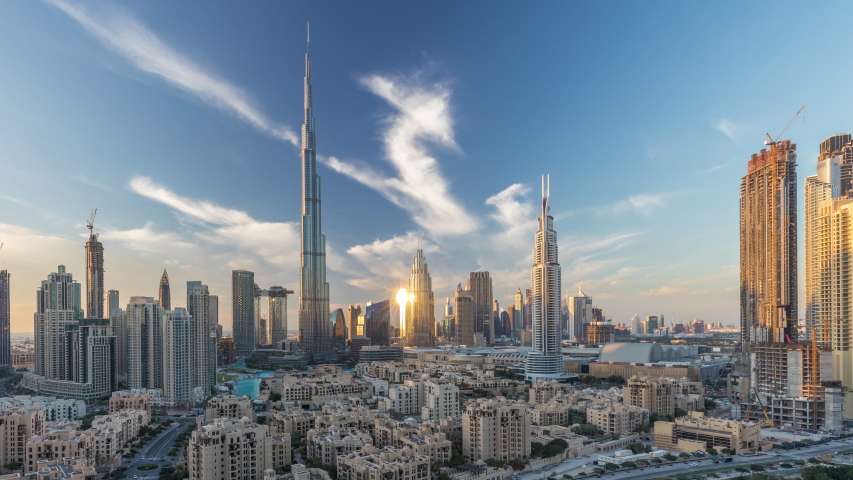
157 448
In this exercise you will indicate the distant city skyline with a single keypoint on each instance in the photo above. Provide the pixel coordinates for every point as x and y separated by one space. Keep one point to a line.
186 140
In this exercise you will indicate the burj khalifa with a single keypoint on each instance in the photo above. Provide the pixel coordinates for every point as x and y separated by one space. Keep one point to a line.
315 331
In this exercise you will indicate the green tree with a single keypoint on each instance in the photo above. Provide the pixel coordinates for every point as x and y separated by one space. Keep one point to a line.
12 466
813 460
670 457
657 460
611 466
711 450
629 465
444 476
710 404
756 468
598 470
684 455
567 476
680 413
728 451
495 463
275 397
587 429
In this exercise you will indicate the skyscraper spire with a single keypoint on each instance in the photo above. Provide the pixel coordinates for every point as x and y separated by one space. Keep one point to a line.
315 332
165 292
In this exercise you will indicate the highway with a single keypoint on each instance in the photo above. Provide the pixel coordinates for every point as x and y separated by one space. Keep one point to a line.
158 448
680 467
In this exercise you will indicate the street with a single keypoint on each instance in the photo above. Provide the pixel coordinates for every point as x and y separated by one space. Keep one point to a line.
680 467
158 448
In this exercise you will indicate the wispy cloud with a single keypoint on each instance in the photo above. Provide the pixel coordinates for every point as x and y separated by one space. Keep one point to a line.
421 117
734 130
388 260
643 203
667 290
514 215
145 239
83 179
271 241
121 32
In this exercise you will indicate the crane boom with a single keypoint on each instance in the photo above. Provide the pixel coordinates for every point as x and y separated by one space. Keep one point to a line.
771 141
91 223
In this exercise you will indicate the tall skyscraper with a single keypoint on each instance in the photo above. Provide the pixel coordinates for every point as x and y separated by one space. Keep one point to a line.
768 247
186 366
112 302
835 157
315 331
421 321
5 322
828 246
243 311
519 311
213 317
352 315
511 317
143 325
204 335
480 286
377 322
580 313
165 294
92 355
545 361
464 313
339 328
278 314
57 308
94 276
636 325
118 320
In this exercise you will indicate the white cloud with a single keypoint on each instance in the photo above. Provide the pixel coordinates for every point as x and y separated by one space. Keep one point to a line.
142 48
274 242
643 203
735 131
83 179
144 239
391 258
421 117
515 217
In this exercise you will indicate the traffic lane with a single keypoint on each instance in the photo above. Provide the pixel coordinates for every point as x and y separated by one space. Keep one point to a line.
164 441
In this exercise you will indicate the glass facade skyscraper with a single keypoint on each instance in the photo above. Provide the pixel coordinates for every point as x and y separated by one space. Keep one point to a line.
243 311
377 319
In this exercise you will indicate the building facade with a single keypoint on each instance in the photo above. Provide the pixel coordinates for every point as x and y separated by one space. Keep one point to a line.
144 330
243 311
94 276
5 322
164 293
580 313
493 429
464 316
420 317
480 287
58 307
235 449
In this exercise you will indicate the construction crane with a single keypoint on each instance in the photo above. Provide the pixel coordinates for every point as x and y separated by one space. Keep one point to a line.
91 223
770 140
767 423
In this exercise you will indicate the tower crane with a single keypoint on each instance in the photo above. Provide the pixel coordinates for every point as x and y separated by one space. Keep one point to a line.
771 141
91 223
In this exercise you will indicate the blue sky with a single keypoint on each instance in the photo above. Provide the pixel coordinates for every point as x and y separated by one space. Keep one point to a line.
434 119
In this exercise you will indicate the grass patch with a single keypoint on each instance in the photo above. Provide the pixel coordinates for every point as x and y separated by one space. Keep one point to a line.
148 466
224 377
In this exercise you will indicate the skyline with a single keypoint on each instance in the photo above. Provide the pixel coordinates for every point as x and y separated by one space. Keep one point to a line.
632 248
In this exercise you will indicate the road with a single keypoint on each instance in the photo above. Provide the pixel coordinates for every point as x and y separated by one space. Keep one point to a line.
680 467
157 448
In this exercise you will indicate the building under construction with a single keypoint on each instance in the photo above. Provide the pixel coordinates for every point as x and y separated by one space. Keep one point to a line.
776 379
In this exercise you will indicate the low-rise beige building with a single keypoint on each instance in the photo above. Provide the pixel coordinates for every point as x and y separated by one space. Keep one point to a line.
325 445
371 463
697 432
60 446
658 395
621 419
495 429
56 470
437 447
291 420
228 406
228 449
130 401
112 433
543 392
16 427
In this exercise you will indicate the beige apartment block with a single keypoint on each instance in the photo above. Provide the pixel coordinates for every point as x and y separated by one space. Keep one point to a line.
291 420
543 392
53 470
58 446
437 447
406 399
16 427
621 419
697 432
554 413
495 429
130 401
371 463
113 432
363 420
657 395
297 472
326 445
228 406
235 449
441 400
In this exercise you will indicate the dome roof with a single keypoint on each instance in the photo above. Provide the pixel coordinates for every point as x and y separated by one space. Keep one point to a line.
631 353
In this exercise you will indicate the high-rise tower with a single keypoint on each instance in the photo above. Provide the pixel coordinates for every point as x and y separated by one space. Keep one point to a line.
94 276
480 286
768 247
546 359
57 308
421 318
278 314
5 323
315 331
243 311
165 292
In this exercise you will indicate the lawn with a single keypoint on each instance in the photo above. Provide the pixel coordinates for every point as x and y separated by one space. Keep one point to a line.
148 466
224 377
